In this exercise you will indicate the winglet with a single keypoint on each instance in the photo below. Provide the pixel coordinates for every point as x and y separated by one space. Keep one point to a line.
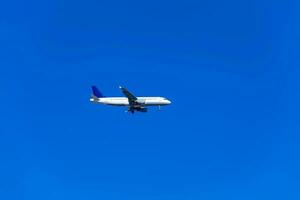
96 92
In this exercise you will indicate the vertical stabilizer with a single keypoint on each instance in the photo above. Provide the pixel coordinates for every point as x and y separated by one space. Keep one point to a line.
97 93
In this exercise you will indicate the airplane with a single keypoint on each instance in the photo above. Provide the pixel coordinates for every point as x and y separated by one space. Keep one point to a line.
133 103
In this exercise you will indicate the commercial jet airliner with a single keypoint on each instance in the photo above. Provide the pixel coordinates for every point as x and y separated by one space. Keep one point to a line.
133 103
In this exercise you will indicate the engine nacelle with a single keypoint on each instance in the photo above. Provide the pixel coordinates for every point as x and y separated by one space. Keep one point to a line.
142 109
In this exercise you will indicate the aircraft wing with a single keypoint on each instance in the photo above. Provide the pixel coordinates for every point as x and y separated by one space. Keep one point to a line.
131 98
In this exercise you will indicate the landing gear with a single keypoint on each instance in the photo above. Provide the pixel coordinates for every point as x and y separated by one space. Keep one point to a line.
130 110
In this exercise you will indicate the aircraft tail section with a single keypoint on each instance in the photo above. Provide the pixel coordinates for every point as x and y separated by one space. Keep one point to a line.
97 93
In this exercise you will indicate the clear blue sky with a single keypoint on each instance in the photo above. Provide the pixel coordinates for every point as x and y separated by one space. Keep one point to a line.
230 67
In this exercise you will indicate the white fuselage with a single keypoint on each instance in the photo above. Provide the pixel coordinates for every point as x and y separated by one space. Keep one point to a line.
123 101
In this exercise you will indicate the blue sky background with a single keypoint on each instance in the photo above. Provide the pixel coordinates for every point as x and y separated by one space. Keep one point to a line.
231 69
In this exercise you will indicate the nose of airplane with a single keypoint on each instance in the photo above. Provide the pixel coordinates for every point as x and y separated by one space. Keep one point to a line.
169 102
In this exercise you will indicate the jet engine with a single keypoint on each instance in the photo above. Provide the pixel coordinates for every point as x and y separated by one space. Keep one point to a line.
142 109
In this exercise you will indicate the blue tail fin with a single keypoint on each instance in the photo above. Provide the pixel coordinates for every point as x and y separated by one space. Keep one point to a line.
97 92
